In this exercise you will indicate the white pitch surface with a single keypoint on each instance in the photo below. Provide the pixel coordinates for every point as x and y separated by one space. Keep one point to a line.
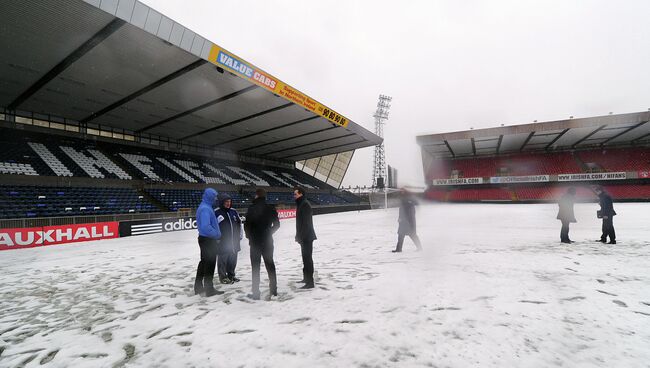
493 288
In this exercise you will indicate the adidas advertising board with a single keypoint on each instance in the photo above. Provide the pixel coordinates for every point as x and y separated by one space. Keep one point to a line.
143 227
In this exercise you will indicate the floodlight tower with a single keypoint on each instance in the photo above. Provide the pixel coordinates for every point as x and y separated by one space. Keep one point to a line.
379 168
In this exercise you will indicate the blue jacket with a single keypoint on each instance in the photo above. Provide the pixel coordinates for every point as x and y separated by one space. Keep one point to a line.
205 218
230 226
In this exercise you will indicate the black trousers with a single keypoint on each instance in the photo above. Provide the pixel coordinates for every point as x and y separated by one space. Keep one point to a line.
205 269
608 229
226 265
307 249
564 232
413 236
257 253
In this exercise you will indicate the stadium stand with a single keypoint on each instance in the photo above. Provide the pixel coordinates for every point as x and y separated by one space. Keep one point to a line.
523 164
175 199
539 161
630 159
34 154
34 201
30 154
477 194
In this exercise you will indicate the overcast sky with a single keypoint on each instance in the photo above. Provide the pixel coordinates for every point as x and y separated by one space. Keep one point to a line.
449 65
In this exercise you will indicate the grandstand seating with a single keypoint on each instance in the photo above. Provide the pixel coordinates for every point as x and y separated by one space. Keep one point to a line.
630 159
627 191
536 192
479 194
536 164
35 154
550 193
176 199
33 201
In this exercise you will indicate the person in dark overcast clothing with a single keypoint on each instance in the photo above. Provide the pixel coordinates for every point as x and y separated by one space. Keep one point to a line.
607 213
305 236
231 234
565 214
407 225
260 225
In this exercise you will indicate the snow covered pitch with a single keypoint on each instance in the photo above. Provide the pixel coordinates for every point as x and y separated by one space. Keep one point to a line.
493 288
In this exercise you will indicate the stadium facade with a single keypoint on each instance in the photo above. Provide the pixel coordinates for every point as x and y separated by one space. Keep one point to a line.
538 161
133 113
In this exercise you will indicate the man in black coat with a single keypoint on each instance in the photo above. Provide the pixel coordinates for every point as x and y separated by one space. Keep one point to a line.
607 213
406 220
305 236
260 225
565 214
231 234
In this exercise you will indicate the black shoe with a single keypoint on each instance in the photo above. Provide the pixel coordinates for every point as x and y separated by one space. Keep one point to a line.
307 286
302 281
612 242
254 296
565 241
234 279
396 251
197 291
226 280
212 292
274 292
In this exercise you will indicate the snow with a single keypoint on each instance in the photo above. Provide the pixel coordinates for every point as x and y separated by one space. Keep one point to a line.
493 288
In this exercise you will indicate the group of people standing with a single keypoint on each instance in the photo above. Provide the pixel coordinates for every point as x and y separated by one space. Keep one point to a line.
606 213
221 231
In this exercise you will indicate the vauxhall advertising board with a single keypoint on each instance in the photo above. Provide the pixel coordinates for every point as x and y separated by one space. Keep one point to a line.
50 235
235 64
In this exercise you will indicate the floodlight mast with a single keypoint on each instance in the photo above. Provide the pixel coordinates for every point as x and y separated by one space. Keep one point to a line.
379 167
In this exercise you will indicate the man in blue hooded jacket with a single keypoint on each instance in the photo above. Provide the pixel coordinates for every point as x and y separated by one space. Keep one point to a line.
209 233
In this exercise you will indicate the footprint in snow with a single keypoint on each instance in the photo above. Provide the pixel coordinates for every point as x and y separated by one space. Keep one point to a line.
575 298
605 292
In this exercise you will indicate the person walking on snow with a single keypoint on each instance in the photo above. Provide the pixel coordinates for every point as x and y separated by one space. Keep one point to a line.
406 221
231 234
305 236
209 233
565 214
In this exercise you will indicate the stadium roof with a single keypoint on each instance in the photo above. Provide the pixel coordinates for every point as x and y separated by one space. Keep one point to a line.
599 131
121 64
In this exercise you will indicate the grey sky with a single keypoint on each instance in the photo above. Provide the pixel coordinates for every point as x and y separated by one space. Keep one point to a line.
449 65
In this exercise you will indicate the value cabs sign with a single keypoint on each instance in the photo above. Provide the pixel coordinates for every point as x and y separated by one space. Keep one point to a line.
232 63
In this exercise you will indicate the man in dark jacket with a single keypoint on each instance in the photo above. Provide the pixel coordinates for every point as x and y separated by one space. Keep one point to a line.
305 236
231 233
406 220
565 214
208 235
260 225
607 213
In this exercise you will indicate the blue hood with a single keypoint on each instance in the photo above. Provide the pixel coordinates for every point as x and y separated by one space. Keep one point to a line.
209 196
